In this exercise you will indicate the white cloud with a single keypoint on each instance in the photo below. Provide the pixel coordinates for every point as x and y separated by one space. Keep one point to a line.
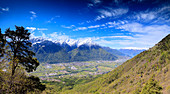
105 25
52 19
100 17
32 12
110 12
163 14
95 26
58 36
88 21
32 31
123 37
136 27
43 34
31 28
88 27
33 15
5 9
158 15
132 27
42 29
142 36
34 28
68 27
80 28
55 36
145 16
96 1
90 5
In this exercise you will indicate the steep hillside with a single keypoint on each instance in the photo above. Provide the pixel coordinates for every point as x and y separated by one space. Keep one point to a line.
148 72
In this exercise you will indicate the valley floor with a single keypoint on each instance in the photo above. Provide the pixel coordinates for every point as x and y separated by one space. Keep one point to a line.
64 76
76 69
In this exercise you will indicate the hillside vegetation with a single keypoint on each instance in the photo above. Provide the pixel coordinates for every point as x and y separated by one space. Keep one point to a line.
146 73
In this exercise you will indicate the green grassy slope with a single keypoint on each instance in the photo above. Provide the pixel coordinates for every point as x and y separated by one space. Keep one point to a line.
133 76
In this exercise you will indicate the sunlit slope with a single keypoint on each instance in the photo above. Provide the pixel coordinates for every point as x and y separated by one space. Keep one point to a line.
133 75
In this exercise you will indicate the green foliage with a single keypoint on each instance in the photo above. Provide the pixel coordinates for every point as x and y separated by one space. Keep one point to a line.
151 87
164 44
66 84
34 83
19 44
20 84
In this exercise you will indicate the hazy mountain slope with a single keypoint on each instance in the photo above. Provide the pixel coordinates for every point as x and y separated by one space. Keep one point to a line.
114 51
117 53
86 53
133 75
130 52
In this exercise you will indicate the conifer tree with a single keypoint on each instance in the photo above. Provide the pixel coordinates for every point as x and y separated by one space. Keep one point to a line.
19 45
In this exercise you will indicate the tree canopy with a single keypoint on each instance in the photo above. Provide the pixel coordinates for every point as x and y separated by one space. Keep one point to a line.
2 44
15 58
19 44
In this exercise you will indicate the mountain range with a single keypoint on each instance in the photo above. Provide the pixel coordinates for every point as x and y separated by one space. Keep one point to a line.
68 51
57 51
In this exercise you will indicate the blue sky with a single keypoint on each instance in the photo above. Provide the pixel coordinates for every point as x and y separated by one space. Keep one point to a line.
114 23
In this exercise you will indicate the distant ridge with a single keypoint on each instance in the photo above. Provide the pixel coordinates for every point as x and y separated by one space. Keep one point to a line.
131 52
69 50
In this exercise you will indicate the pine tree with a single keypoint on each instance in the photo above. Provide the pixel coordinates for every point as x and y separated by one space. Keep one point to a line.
19 45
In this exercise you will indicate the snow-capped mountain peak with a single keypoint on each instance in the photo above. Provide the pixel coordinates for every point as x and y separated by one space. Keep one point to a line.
87 41
70 42
37 40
